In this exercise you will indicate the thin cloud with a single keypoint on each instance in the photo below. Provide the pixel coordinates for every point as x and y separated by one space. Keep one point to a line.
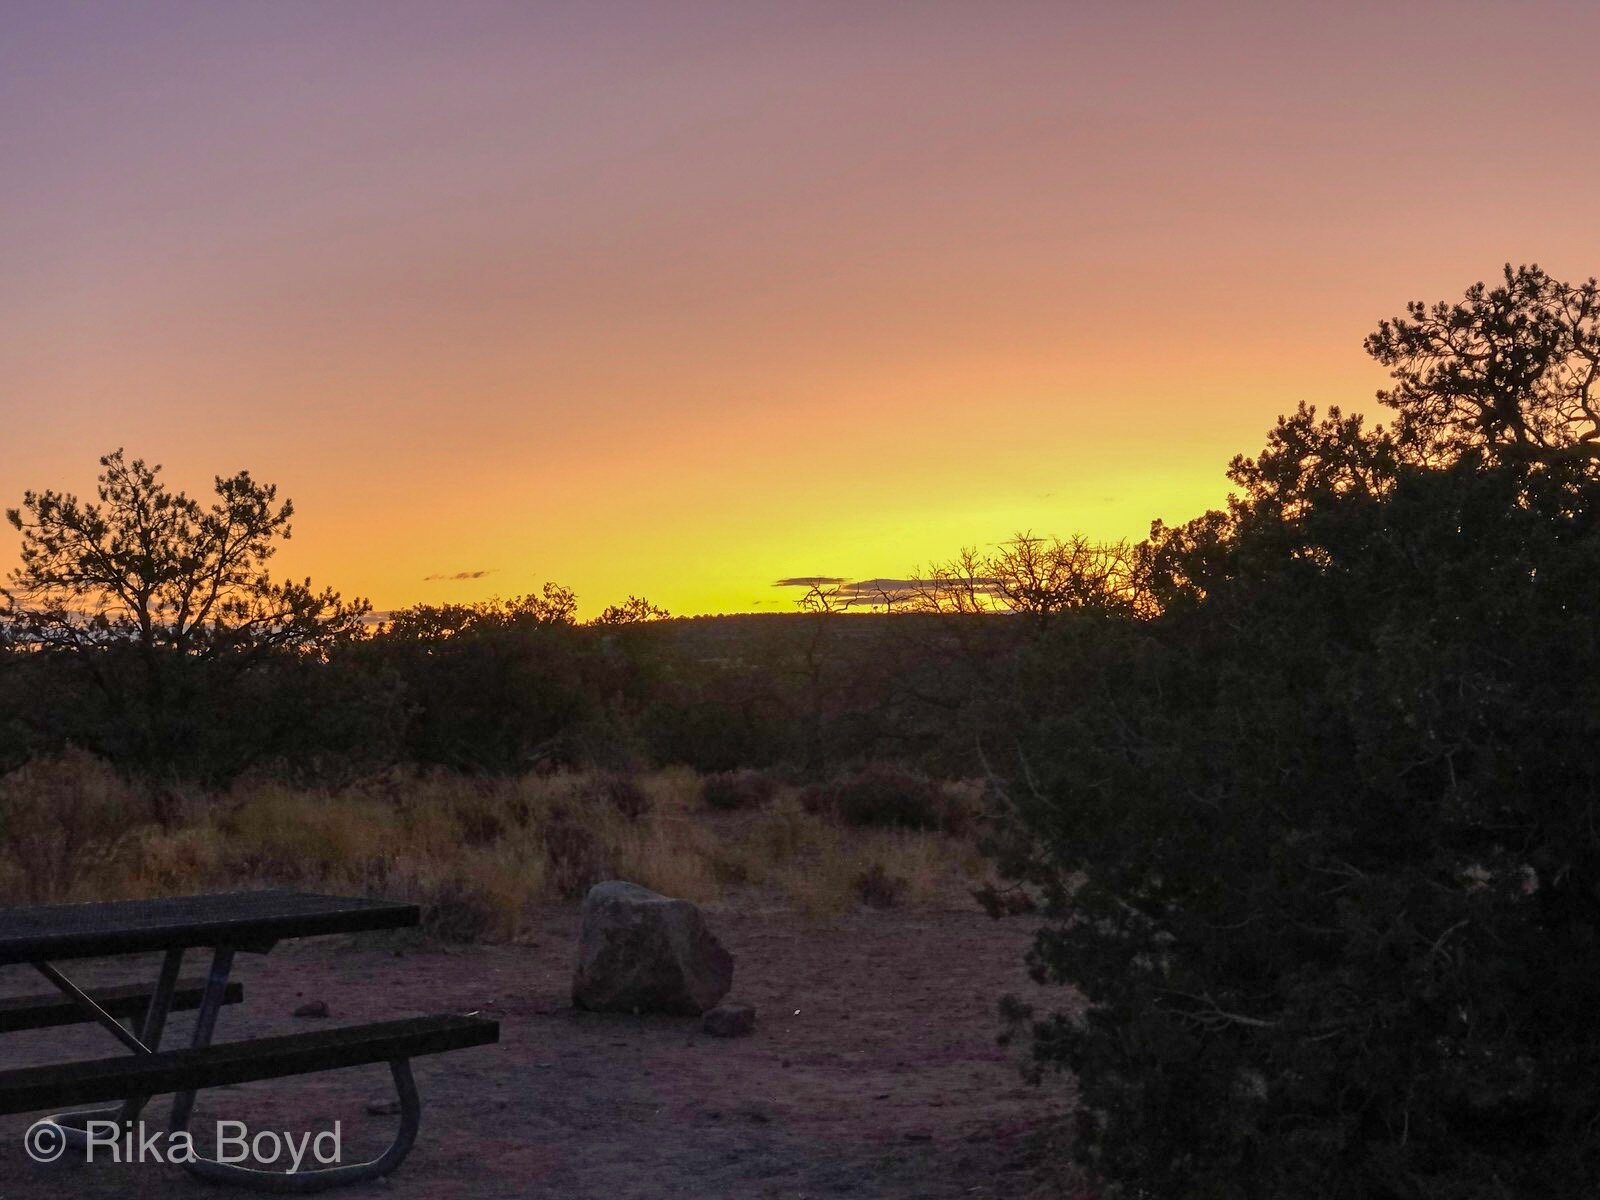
891 590
892 586
874 587
459 575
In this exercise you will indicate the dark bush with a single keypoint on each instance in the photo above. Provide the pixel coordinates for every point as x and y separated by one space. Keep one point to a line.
730 791
718 720
884 795
818 799
1317 843
480 819
876 888
617 791
455 910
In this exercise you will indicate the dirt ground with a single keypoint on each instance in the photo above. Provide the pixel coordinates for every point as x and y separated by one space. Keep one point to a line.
874 1070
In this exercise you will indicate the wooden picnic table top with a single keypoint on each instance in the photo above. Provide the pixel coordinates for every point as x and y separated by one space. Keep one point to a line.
244 920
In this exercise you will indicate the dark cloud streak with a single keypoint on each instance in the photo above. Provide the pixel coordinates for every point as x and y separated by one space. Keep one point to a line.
806 581
459 575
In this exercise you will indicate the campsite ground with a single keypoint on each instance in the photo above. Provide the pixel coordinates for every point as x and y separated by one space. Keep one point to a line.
874 1071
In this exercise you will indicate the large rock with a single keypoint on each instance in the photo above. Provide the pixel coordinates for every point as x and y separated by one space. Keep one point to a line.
643 952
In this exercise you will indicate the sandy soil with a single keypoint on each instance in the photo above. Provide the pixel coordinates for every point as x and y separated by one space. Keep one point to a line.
874 1070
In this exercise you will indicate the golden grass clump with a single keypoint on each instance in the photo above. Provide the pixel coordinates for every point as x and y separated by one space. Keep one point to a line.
172 861
68 826
673 857
278 835
825 870
675 790
479 855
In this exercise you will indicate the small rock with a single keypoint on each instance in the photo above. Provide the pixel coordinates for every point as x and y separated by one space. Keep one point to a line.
316 1008
729 1020
386 1106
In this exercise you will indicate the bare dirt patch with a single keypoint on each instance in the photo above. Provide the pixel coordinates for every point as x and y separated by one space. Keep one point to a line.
874 1070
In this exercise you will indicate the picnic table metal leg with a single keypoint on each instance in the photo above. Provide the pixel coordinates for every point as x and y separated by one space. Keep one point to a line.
155 1016
205 1024
145 1042
321 1178
154 1024
296 1182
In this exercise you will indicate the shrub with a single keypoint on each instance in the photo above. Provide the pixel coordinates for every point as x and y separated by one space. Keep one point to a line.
887 796
481 819
876 888
618 792
593 798
458 909
817 799
1317 849
576 856
784 832
730 791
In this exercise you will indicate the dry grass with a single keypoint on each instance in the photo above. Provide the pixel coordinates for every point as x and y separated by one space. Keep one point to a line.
67 824
480 855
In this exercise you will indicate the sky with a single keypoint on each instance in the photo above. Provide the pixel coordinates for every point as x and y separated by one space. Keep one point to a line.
681 299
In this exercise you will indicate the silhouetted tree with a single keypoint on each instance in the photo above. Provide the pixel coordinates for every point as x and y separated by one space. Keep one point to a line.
152 568
151 592
1035 576
1308 464
632 611
551 605
1317 845
1042 577
1511 370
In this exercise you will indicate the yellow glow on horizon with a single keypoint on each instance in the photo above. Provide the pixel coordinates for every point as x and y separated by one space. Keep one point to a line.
682 300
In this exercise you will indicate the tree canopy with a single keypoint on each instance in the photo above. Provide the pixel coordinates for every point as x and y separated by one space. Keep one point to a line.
1510 370
153 568
167 605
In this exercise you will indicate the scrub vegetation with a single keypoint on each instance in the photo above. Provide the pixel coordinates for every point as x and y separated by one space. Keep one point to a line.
480 854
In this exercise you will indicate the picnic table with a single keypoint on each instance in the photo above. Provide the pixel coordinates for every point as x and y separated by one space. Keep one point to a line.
228 924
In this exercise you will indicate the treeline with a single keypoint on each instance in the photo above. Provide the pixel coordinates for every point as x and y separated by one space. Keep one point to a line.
496 688
144 626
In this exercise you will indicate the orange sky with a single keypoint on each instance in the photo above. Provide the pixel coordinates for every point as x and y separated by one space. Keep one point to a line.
682 298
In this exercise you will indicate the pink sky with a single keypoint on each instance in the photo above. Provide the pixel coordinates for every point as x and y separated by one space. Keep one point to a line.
684 298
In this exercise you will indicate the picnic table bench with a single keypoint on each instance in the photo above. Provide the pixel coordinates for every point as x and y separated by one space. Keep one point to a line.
240 922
